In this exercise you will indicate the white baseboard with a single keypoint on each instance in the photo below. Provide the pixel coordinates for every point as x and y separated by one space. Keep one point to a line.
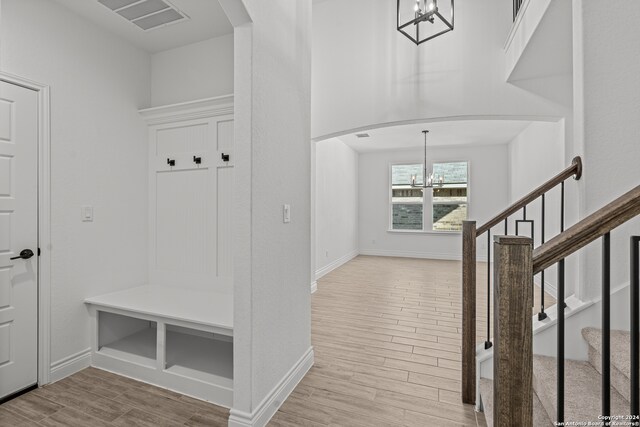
314 287
410 254
271 403
70 365
337 263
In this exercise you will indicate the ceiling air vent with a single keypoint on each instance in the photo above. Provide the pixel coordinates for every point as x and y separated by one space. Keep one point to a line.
362 135
146 14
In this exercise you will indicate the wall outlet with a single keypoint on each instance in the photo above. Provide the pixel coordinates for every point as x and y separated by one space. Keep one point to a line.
87 213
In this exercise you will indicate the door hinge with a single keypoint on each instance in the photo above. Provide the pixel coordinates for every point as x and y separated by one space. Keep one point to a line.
38 251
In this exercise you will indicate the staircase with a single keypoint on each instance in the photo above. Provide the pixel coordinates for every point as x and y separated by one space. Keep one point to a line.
531 390
582 383
540 416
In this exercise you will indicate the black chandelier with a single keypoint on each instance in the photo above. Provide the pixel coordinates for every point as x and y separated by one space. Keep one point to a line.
422 20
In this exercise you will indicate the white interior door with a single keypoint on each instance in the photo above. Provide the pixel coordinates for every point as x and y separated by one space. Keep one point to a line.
18 234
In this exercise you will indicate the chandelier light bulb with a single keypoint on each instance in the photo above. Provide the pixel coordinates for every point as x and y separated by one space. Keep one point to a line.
430 179
423 20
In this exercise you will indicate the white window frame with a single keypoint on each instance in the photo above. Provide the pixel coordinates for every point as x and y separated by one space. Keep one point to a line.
427 199
468 195
390 188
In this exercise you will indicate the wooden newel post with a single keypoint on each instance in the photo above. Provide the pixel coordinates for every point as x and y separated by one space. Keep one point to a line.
513 349
469 312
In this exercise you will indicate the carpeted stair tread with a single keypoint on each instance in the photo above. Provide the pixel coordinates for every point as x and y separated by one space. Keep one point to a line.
620 347
620 357
582 390
540 417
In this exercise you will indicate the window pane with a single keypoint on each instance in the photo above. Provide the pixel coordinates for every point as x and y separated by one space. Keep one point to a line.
406 201
401 174
407 216
450 200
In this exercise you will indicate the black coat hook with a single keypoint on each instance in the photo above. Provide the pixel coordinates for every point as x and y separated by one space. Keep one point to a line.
225 157
197 160
171 162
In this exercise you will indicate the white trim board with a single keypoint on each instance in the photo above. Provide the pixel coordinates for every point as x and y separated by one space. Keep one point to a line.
549 287
44 222
70 365
410 254
314 287
203 108
261 415
337 263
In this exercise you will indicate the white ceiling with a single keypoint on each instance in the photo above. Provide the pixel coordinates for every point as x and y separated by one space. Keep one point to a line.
442 134
207 20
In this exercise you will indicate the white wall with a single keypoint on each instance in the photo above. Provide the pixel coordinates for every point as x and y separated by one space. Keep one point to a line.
366 73
196 71
488 194
607 97
272 307
336 213
99 155
536 155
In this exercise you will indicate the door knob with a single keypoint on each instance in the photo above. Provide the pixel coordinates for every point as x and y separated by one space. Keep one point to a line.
24 254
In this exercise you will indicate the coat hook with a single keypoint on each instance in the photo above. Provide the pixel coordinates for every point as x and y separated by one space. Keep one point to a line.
171 162
197 160
225 157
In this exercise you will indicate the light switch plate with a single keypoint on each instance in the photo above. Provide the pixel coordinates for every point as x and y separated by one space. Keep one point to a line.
286 214
87 213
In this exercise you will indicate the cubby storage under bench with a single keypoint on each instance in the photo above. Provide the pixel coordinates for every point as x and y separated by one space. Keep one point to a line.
175 338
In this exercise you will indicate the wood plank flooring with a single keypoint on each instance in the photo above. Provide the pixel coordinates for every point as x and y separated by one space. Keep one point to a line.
96 398
386 334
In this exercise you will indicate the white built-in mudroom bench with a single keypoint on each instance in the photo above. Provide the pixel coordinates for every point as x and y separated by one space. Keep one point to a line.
177 331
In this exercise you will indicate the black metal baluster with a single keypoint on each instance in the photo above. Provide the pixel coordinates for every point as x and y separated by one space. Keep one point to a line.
560 391
606 326
635 333
542 315
487 343
561 305
561 206
506 226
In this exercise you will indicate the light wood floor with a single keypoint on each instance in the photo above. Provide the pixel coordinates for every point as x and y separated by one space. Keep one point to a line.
386 334
95 398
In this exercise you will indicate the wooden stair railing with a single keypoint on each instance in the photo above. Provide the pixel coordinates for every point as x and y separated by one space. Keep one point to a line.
469 236
574 170
589 229
514 268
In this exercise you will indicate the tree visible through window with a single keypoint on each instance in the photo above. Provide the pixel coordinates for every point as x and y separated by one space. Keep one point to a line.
450 202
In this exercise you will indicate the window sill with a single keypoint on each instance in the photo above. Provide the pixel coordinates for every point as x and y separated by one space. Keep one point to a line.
441 233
